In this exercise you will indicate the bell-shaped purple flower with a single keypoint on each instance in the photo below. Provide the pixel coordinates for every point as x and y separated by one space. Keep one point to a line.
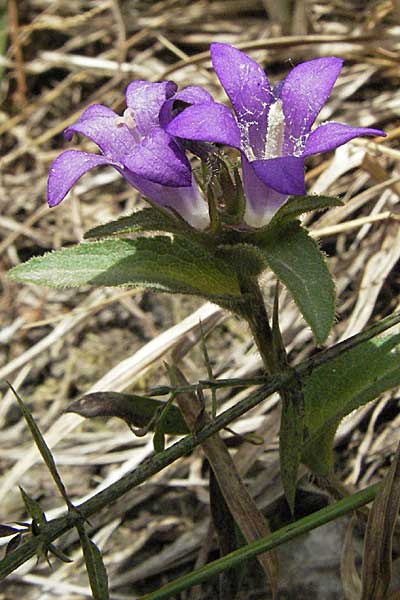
271 127
138 146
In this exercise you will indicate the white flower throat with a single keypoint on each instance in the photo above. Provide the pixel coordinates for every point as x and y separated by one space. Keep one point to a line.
275 131
128 119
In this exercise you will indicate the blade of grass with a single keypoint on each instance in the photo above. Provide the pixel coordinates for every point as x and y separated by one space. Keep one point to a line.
287 533
377 559
42 447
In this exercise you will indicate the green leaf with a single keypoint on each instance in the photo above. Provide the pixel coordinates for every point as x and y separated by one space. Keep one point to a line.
147 219
96 570
298 263
298 205
248 259
33 509
343 384
42 447
291 437
137 411
158 263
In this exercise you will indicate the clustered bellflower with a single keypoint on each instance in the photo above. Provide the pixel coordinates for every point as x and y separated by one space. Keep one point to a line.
138 146
271 127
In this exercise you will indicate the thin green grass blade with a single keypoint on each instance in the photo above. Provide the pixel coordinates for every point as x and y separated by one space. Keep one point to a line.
42 447
287 533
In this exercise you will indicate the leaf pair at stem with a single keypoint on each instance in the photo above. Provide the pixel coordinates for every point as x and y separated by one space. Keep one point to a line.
192 262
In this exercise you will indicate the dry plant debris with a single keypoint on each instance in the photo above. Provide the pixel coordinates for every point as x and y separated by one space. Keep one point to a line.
59 58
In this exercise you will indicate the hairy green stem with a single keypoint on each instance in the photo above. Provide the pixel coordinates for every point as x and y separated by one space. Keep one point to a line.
273 353
255 313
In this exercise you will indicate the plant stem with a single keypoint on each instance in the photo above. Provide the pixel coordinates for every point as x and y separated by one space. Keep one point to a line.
255 313
53 529
273 353
155 464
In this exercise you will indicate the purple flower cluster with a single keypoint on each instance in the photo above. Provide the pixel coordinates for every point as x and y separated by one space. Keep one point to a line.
271 127
138 146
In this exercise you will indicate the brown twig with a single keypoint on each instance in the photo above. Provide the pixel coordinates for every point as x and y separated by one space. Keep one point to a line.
241 505
20 95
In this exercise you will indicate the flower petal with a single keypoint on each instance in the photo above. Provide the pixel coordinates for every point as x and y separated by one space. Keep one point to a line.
284 174
303 93
100 125
262 202
158 158
186 201
208 122
67 169
248 89
243 79
331 135
146 100
94 110
191 94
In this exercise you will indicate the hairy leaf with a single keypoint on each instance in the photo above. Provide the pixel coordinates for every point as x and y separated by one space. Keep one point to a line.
158 263
248 259
298 205
147 219
298 263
